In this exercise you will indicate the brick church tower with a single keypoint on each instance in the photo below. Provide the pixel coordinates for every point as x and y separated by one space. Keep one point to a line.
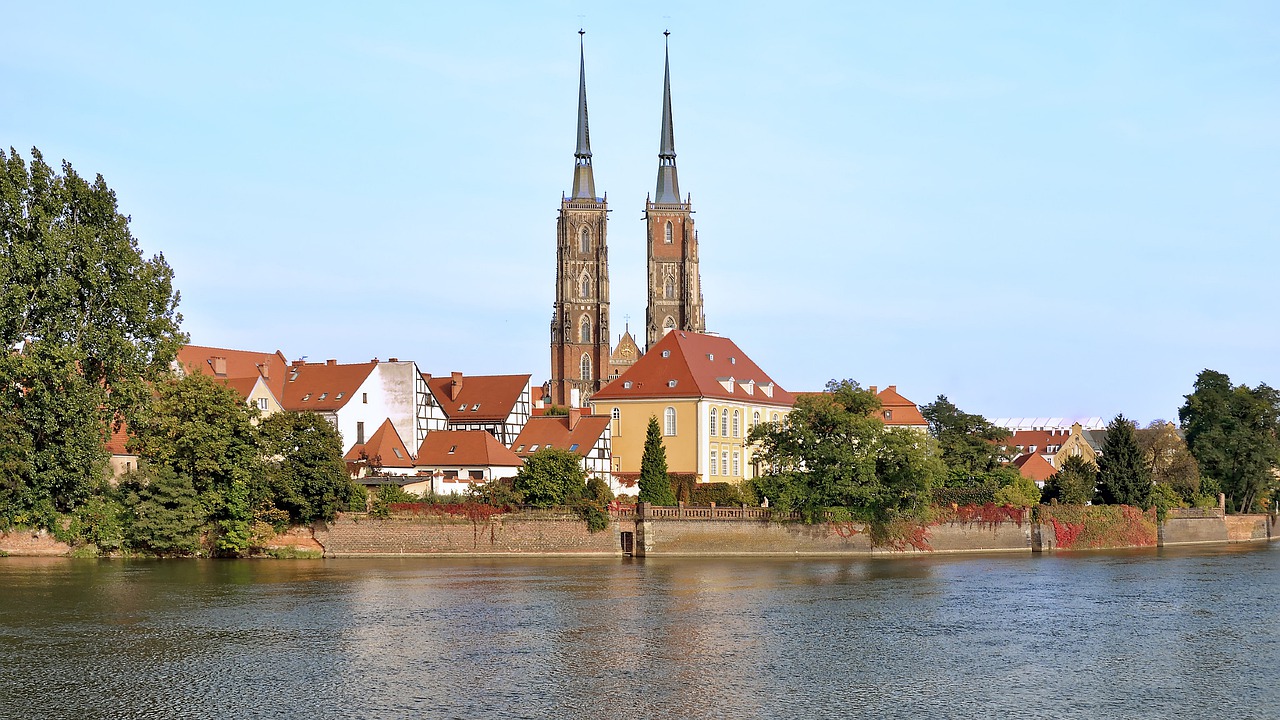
675 287
580 322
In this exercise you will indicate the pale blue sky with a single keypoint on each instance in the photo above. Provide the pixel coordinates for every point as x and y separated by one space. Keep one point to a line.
1034 208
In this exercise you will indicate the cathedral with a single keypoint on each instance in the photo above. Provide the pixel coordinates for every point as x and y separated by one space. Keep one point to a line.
581 359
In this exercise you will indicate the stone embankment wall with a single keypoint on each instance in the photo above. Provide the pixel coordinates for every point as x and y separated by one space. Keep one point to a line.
525 533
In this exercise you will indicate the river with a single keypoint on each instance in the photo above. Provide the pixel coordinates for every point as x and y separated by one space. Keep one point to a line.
1170 633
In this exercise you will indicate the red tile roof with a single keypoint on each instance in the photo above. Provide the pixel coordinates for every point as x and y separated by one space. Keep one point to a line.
118 440
463 448
477 398
904 412
695 366
317 387
386 445
237 364
1041 439
553 431
242 385
1034 466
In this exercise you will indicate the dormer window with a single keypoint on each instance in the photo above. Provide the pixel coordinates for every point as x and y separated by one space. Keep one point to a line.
462 407
666 353
573 447
452 449
475 407
338 396
533 447
306 397
323 395
397 452
888 414
626 385
711 357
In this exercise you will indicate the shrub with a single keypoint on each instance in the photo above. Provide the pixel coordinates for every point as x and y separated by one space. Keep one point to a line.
1022 492
724 494
598 490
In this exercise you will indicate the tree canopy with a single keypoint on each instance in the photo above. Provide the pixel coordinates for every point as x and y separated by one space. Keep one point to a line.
1234 434
551 476
94 322
830 452
971 445
1075 483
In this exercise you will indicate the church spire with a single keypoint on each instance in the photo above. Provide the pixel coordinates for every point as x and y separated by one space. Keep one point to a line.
584 183
668 188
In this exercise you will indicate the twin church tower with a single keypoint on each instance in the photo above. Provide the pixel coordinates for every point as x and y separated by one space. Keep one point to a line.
580 355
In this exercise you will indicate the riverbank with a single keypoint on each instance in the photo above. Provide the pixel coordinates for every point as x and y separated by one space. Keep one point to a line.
715 531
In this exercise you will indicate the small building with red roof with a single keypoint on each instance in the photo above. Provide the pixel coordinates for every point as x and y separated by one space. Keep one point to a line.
706 394
1035 467
454 459
384 453
256 376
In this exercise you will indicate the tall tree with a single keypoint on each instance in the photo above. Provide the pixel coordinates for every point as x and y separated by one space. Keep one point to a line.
655 483
971 445
1234 434
1123 478
201 430
94 320
305 474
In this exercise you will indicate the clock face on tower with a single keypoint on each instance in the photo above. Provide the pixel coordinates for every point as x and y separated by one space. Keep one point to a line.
626 353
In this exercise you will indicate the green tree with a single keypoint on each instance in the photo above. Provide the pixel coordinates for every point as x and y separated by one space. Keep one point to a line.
1123 478
1021 492
1234 434
655 483
551 476
167 515
200 429
830 452
95 321
304 472
970 444
1075 482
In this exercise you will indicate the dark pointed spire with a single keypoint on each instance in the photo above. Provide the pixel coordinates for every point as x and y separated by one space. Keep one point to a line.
584 183
668 186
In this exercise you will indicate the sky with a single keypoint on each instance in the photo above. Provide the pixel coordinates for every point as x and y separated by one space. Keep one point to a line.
1036 209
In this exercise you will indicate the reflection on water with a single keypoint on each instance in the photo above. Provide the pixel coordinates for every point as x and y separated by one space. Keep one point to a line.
1169 633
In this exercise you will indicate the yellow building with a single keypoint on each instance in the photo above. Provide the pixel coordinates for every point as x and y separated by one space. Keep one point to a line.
706 394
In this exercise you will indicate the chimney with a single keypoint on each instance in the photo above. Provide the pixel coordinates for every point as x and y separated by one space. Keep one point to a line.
219 366
872 389
393 359
575 414
265 370
331 361
893 388
455 385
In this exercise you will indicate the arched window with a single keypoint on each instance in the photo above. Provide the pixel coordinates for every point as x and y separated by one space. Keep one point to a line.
724 423
755 419
737 425
584 286
668 325
669 288
584 241
774 418
667 237
713 422
616 417
669 421
584 330
585 367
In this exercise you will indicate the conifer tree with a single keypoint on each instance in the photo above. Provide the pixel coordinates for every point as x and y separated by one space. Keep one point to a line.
1123 477
655 485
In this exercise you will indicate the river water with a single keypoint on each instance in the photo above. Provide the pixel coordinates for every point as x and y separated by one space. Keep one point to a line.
1155 633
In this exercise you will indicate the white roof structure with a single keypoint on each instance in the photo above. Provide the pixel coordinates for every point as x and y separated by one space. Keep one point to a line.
1049 423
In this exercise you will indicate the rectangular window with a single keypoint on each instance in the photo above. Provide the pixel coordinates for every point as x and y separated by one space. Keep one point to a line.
724 462
450 474
262 404
715 467
737 464
475 474
365 398
359 433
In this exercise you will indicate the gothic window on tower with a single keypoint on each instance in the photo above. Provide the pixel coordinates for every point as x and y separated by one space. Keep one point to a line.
584 286
667 236
668 325
586 367
669 288
584 330
584 241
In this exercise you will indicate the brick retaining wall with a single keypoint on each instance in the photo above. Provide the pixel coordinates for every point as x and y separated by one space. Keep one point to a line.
528 533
